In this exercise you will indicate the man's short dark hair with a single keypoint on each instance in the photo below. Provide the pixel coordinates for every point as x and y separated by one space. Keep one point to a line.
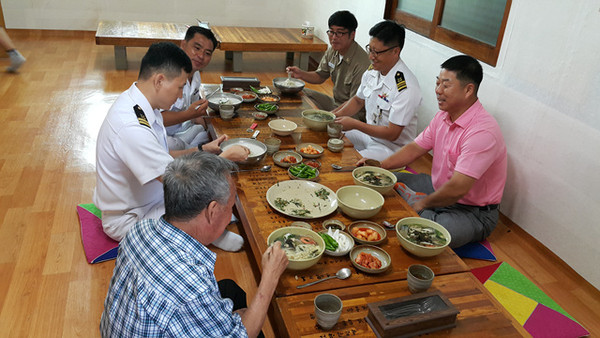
194 180
467 69
166 58
343 19
193 30
389 32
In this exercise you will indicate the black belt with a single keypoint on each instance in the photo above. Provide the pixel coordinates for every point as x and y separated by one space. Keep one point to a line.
488 207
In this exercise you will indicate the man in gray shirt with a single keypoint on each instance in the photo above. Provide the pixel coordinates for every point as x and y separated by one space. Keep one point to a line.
345 61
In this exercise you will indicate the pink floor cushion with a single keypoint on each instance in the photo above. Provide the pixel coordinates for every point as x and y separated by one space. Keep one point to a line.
97 245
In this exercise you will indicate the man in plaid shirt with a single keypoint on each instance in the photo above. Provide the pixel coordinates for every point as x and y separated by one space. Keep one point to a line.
163 283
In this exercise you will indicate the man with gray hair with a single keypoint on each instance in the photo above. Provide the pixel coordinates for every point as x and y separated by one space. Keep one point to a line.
163 283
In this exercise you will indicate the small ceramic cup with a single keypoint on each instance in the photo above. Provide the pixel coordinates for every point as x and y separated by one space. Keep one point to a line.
272 144
226 111
334 129
419 278
328 309
335 145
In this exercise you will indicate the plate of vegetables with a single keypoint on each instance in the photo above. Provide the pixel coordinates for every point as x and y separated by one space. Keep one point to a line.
303 172
302 199
269 108
370 258
337 243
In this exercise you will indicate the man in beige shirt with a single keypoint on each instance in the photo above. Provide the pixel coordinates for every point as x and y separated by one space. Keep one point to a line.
345 61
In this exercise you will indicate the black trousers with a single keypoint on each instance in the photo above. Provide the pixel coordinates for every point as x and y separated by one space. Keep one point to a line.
230 289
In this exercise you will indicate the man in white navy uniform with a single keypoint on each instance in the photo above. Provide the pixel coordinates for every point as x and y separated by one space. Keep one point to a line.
390 93
184 123
132 153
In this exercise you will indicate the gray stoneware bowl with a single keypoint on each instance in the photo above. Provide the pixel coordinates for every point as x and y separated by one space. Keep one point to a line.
224 98
298 85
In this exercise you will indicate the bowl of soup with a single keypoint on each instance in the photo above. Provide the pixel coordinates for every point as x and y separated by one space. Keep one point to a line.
317 120
303 247
422 237
288 86
217 99
376 178
258 150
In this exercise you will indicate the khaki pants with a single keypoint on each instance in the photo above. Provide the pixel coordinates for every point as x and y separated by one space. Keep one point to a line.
326 102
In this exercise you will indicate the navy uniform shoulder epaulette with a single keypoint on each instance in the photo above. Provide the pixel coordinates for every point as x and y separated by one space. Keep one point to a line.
139 112
400 81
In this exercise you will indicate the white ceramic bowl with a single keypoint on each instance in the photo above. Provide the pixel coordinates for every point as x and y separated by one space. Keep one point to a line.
380 188
359 202
282 127
316 124
416 249
304 263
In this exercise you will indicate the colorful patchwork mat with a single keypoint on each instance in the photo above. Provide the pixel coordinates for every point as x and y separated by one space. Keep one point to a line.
97 245
530 306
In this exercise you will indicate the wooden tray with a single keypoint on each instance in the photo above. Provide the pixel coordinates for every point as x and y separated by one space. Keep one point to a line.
412 315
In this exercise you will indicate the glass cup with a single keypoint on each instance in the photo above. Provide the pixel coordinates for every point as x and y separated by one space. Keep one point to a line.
272 144
419 278
226 111
334 129
328 309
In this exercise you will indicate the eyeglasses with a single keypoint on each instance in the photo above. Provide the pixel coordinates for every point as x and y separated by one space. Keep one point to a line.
337 34
377 53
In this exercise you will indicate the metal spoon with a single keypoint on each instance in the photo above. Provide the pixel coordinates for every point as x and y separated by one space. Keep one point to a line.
341 274
264 169
338 167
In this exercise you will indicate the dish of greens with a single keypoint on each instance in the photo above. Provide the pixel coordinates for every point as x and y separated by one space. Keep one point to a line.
302 199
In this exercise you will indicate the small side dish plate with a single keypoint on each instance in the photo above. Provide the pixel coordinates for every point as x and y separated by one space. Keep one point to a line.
280 155
354 226
374 251
306 145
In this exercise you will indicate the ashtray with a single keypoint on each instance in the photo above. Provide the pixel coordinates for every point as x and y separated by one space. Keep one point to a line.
412 315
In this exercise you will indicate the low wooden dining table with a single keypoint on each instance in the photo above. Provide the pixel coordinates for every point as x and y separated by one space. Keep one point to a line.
259 219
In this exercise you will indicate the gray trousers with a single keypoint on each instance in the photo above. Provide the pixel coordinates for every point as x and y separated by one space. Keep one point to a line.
465 223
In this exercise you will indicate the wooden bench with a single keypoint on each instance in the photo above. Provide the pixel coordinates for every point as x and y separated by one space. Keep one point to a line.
233 40
122 34
236 40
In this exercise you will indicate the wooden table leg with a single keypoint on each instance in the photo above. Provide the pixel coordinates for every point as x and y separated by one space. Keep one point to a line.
121 57
304 61
238 62
228 55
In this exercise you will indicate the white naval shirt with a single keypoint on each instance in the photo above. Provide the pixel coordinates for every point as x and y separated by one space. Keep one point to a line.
129 158
191 93
384 103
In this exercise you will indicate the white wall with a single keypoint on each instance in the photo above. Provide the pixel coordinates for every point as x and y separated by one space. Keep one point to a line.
544 92
84 15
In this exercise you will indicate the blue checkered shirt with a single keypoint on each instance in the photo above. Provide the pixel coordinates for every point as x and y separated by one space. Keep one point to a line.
164 285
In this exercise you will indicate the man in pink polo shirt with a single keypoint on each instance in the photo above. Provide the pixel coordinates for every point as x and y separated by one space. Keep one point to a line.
469 158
